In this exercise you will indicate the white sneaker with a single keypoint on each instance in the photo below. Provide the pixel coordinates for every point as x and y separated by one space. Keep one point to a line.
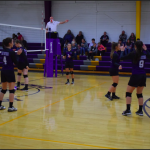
2 107
12 109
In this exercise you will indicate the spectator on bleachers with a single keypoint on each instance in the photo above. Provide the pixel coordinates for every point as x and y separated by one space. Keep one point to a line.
100 49
24 43
84 47
104 39
19 36
132 38
65 46
14 37
74 48
75 41
123 37
68 36
120 42
79 38
128 47
92 51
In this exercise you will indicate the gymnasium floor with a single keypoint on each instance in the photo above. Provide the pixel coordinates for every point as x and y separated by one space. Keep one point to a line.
59 116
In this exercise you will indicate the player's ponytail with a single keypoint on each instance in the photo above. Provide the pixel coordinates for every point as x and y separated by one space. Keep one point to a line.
139 49
6 42
113 48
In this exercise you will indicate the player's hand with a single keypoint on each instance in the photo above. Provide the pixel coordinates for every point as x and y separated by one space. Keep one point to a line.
144 47
27 67
19 51
14 50
66 21
69 56
122 48
120 67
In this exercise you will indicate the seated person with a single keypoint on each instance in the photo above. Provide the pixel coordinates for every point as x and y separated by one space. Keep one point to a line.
74 48
68 36
91 44
128 47
84 47
65 46
123 37
104 39
92 51
79 38
100 49
120 42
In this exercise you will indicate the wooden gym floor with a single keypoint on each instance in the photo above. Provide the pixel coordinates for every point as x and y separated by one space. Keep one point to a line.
59 116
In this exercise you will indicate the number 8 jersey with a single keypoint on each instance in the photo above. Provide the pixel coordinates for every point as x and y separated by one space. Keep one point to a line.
9 59
139 67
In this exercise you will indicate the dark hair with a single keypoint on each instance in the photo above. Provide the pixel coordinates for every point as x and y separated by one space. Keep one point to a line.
18 33
84 40
128 43
139 49
113 46
138 39
119 40
93 39
18 41
6 42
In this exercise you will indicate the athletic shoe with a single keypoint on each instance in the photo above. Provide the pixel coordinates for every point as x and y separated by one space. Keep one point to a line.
126 112
115 97
2 107
109 97
24 89
140 113
67 82
72 82
15 88
12 109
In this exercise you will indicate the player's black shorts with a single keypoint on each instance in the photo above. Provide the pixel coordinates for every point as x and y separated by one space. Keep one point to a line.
137 80
21 66
113 72
8 76
69 65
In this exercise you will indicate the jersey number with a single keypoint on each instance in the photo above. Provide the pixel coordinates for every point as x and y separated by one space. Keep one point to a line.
5 60
141 64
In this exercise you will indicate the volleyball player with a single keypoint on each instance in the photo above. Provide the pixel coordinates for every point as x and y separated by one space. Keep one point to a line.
114 71
69 63
7 73
23 66
138 77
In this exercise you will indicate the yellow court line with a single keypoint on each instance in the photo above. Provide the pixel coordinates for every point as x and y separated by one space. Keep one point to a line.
49 105
61 142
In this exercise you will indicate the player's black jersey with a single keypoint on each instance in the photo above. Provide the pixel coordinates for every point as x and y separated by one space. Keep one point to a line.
9 59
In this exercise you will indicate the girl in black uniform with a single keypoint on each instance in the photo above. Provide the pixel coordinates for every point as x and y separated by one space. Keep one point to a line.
7 72
69 63
114 71
138 77
23 66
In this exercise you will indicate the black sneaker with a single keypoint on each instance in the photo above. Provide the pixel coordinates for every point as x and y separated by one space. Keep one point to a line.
109 97
67 82
140 113
126 113
72 82
24 89
115 97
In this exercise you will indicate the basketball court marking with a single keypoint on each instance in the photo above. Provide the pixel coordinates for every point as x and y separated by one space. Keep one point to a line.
61 142
50 104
